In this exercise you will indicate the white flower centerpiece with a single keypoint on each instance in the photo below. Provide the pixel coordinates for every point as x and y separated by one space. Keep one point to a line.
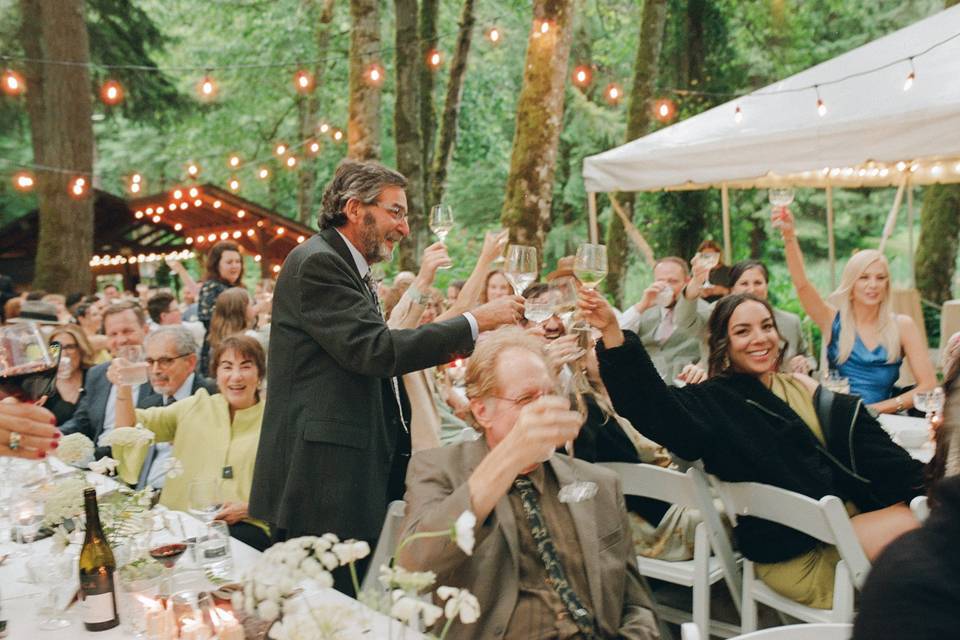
273 586
76 450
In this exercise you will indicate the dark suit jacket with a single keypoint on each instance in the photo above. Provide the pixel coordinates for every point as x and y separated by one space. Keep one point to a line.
437 493
331 428
92 408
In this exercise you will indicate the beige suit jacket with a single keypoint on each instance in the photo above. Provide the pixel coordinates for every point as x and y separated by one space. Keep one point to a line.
437 493
683 345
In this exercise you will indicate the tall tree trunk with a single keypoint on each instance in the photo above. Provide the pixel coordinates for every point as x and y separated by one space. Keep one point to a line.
406 128
937 247
428 112
451 106
363 125
529 190
308 116
638 123
60 108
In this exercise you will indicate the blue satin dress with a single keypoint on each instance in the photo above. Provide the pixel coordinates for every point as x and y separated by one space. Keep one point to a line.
871 376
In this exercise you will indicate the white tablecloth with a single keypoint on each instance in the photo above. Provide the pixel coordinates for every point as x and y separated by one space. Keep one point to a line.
894 424
20 599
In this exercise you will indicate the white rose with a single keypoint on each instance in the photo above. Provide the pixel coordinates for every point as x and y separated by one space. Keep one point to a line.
268 610
463 531
360 549
330 561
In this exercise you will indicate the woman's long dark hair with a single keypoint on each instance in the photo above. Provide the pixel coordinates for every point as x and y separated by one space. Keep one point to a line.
743 266
719 341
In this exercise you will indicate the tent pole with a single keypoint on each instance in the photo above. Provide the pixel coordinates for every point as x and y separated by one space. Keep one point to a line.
892 216
910 247
592 212
725 203
832 248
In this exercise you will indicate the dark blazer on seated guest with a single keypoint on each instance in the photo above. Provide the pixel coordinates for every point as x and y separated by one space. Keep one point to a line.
92 408
437 493
745 433
913 590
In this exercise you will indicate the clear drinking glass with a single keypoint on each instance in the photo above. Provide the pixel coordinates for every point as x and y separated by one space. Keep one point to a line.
441 223
563 296
28 366
578 490
213 550
779 198
537 309
204 499
664 297
135 370
521 267
590 265
52 572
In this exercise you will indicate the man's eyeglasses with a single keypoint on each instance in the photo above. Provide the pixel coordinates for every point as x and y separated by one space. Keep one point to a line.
164 362
398 213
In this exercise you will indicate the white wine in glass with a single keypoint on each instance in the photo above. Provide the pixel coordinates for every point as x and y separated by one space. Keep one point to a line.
521 267
441 223
590 266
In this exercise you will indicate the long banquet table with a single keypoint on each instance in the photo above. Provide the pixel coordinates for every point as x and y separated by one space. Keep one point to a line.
21 599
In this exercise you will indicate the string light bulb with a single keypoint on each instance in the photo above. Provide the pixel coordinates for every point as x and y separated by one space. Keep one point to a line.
280 149
613 93
263 173
738 115
494 35
207 88
135 185
241 213
24 181
323 128
234 184
79 187
291 162
313 147
434 59
111 92
664 109
337 135
303 81
821 106
541 28
582 76
374 75
910 77
13 83
193 169
233 161
194 192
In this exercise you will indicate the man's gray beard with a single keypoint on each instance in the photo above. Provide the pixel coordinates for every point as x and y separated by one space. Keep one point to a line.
373 250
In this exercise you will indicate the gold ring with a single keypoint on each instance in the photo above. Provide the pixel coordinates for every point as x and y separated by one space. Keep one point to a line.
14 442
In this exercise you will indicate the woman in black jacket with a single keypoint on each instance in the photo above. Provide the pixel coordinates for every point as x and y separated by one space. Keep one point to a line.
749 423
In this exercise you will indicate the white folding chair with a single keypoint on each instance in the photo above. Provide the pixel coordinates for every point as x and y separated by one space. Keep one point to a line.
690 631
830 631
705 569
920 508
826 520
386 545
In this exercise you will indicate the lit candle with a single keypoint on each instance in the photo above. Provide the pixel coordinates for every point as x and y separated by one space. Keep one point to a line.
228 627
157 620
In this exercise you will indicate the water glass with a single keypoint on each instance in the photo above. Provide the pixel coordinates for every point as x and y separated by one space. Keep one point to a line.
521 267
836 383
204 499
213 550
664 297
135 370
52 572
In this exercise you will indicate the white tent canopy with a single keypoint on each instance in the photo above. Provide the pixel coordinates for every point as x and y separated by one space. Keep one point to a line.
874 133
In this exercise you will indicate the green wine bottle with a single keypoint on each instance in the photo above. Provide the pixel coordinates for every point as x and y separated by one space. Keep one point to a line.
97 567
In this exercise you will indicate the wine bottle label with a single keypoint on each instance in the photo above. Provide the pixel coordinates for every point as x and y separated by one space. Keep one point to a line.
99 604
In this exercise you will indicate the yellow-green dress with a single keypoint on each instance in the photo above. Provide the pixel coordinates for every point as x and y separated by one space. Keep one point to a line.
205 441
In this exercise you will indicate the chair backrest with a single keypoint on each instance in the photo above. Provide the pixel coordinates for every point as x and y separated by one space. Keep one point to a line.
829 631
386 544
690 631
688 489
825 519
920 507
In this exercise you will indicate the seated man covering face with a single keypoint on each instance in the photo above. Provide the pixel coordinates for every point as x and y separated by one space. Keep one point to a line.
539 568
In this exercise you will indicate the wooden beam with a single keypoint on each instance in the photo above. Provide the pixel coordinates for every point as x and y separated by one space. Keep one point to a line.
831 243
727 242
592 212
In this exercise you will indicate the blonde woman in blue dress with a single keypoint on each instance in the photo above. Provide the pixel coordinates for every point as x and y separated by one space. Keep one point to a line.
867 340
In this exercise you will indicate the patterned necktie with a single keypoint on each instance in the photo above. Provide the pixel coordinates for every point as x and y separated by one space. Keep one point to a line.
556 575
665 328
372 286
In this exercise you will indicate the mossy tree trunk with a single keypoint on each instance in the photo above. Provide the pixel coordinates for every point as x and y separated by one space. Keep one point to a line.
60 107
309 108
638 123
406 126
529 189
937 247
428 111
451 106
363 124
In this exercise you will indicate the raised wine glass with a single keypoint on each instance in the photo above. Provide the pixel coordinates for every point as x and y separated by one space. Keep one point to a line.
590 265
573 389
563 297
204 498
537 310
521 267
28 366
780 198
441 223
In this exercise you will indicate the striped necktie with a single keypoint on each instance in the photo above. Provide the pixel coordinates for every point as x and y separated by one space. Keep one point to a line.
372 287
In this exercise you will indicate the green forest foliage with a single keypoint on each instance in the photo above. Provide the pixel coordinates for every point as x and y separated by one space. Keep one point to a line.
720 47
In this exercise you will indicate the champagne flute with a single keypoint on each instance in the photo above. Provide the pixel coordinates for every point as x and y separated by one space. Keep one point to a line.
779 198
441 223
521 268
590 265
578 490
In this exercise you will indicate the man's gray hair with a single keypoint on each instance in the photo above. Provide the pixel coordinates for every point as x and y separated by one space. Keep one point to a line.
183 341
364 181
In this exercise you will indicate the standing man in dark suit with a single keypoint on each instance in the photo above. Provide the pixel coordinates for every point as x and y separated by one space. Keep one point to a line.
334 444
